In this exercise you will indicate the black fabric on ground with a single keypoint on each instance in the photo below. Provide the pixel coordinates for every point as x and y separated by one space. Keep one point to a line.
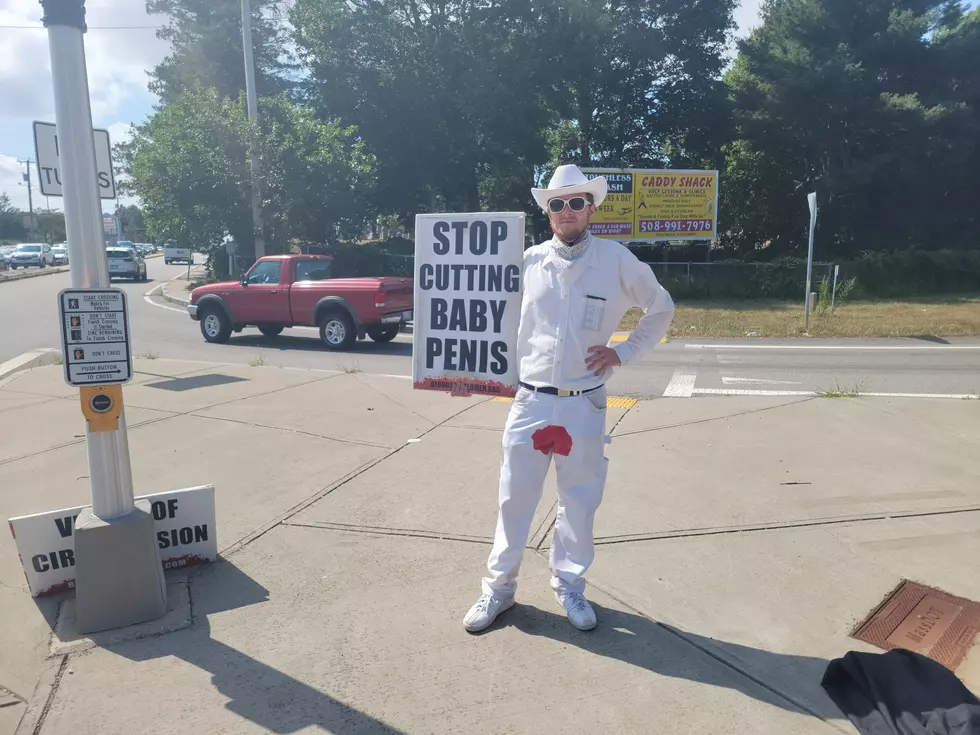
901 693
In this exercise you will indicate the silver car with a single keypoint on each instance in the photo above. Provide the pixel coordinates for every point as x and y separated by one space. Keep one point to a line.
60 253
126 263
31 254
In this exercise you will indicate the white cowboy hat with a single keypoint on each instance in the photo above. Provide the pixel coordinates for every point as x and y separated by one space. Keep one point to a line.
569 179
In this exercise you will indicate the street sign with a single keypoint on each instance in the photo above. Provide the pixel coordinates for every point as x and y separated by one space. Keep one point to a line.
95 336
183 525
49 161
109 225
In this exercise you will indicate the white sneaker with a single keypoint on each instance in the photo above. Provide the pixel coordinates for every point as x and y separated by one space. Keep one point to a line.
579 611
485 611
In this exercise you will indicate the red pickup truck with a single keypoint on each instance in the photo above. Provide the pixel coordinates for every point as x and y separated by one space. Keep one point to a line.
282 291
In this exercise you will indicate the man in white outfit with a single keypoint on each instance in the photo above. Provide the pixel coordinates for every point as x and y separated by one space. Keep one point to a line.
576 289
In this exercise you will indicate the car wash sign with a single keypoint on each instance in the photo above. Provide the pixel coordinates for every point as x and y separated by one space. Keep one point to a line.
183 525
468 273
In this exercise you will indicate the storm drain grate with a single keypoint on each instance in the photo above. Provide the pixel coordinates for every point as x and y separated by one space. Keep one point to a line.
925 620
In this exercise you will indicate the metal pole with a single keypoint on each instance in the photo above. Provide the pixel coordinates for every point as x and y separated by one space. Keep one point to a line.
253 114
108 452
833 294
812 202
30 198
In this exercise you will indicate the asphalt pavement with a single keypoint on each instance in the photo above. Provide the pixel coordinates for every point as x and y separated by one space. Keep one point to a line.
681 369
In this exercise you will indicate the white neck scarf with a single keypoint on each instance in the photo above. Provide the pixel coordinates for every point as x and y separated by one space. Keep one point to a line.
569 253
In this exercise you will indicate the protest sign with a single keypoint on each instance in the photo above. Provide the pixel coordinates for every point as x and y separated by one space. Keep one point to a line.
183 522
468 275
654 204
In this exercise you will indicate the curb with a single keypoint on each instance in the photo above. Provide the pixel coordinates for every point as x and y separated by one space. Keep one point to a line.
52 270
28 360
172 299
36 274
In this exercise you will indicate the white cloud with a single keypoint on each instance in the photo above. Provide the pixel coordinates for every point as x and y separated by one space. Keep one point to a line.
120 132
117 60
747 16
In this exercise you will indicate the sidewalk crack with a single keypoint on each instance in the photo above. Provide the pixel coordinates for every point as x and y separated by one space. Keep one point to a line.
714 418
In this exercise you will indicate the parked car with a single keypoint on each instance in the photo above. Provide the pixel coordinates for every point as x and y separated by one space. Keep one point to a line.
174 254
5 252
126 263
37 254
282 291
60 253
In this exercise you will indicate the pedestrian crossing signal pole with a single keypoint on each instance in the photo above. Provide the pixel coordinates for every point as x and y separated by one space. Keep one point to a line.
118 575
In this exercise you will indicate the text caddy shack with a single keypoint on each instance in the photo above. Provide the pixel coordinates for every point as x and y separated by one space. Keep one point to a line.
183 523
468 276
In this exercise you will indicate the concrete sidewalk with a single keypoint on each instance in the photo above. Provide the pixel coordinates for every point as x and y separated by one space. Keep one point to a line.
178 290
740 541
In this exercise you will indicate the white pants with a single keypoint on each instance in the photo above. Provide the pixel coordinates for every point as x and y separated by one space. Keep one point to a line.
572 429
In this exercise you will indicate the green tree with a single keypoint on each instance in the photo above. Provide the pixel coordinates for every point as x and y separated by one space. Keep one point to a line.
873 105
206 43
448 96
11 221
639 80
50 225
188 166
132 221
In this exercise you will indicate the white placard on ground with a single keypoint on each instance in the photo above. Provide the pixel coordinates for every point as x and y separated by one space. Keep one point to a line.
49 161
468 284
183 521
95 336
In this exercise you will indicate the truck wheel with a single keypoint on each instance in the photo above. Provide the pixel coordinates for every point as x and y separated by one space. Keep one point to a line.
337 331
271 330
215 325
382 333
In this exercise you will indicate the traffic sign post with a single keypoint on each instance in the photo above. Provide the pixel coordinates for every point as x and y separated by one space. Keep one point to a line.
118 577
48 150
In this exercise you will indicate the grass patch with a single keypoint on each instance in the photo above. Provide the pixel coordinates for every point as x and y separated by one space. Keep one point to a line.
59 360
839 391
926 317
148 355
257 362
350 370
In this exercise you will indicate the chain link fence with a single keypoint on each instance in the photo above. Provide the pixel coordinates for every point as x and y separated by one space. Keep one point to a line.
741 280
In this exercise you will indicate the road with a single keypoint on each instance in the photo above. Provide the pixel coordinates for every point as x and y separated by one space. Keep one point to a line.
28 314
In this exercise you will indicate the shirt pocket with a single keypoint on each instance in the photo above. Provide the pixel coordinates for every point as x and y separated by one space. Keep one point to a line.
593 313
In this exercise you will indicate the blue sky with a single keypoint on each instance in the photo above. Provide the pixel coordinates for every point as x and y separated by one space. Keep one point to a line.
118 61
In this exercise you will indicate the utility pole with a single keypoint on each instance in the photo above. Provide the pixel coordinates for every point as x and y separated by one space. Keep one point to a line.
811 200
253 115
30 198
118 576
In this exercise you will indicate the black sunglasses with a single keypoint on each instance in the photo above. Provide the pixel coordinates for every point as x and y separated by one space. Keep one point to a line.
576 204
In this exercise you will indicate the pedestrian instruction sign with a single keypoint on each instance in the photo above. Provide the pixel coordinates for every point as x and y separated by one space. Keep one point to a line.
95 336
654 204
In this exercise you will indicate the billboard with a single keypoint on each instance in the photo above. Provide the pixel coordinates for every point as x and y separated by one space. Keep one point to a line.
657 204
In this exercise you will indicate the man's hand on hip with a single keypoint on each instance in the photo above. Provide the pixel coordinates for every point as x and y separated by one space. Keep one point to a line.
601 359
